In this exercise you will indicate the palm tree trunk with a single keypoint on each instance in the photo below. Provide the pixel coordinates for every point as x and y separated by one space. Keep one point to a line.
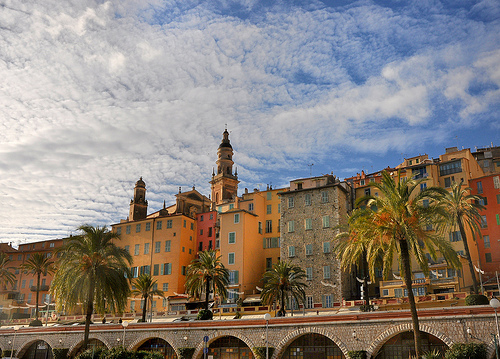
88 316
37 295
282 304
144 308
406 267
207 293
365 279
467 254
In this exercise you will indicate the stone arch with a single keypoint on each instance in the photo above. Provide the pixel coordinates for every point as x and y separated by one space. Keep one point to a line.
490 349
73 348
25 345
143 337
290 337
214 336
393 331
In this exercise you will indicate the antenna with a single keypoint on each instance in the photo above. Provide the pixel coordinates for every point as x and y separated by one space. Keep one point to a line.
310 168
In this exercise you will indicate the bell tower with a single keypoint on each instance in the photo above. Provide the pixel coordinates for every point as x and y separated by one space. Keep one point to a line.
224 183
138 205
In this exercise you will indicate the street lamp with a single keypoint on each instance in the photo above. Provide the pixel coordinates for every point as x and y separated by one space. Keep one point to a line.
267 316
495 303
124 325
13 340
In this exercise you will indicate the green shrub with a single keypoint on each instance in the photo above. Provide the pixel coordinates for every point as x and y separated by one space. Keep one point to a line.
118 353
357 354
260 352
367 308
6 353
93 353
205 315
476 299
186 353
60 353
467 351
237 315
435 354
148 355
36 323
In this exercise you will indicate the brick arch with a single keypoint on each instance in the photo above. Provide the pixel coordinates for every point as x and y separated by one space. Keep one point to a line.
139 340
74 346
213 337
23 347
290 337
393 331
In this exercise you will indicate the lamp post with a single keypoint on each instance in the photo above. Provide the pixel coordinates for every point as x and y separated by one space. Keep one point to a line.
14 339
124 325
267 316
495 303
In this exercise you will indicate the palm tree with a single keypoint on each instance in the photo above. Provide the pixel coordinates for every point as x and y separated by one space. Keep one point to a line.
396 222
92 270
205 273
6 276
283 280
146 287
38 264
462 210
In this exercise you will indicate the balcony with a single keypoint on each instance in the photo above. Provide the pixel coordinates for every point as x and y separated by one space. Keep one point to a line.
43 288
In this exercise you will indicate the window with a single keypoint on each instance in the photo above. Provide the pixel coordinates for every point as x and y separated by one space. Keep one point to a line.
119 230
291 251
184 224
279 207
279 225
309 273
134 272
498 198
398 292
309 249
201 218
250 207
137 249
484 223
326 247
190 238
451 273
498 219
132 305
327 301
165 287
260 228
192 226
148 226
201 232
368 191
146 248
231 206
232 237
269 263
269 209
326 272
269 196
291 202
308 224
211 216
158 225
23 284
183 270
307 199
272 242
486 240
309 302
157 247
19 257
423 186
487 256
183 249
324 197
31 283
291 226
169 223
326 221
236 218
127 248
137 228
233 277
167 269
210 231
156 269
496 179
479 185
269 226
450 168
144 270
448 181
167 246
127 229
51 245
230 258
385 292
455 236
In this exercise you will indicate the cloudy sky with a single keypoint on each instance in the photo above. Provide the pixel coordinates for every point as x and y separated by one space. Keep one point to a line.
95 94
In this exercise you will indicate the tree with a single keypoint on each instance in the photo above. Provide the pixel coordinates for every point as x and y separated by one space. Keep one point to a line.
6 276
462 210
396 222
92 270
146 287
207 273
38 264
283 280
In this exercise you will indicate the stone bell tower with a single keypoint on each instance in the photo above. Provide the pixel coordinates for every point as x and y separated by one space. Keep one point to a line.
138 205
224 183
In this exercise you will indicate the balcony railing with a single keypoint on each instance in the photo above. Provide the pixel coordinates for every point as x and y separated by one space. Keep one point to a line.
43 288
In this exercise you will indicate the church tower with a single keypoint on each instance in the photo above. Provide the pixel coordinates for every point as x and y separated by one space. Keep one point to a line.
138 205
224 183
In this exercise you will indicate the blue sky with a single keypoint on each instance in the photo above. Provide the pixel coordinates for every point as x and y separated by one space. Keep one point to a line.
96 94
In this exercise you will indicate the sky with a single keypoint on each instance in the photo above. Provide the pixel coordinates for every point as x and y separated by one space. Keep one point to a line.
95 94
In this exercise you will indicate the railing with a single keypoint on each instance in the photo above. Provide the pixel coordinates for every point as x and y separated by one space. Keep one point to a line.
43 288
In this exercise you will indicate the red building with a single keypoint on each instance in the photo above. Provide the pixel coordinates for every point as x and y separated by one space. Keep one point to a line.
206 238
488 247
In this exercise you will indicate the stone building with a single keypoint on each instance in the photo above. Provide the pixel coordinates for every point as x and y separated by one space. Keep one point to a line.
310 213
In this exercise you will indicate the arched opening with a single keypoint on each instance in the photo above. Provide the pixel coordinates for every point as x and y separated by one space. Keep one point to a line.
403 345
313 345
230 348
38 350
159 345
93 344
